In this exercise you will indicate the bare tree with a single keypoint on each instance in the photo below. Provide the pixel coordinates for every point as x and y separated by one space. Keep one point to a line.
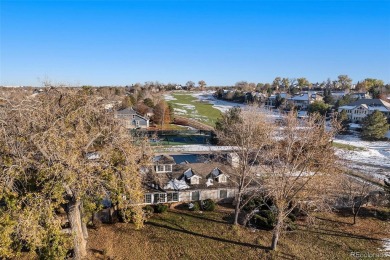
290 165
62 149
190 85
355 193
248 133
297 167
202 84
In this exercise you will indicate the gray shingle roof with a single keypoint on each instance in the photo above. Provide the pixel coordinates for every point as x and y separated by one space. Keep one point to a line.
370 102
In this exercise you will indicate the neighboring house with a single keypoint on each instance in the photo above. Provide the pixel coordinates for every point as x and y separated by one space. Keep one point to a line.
131 119
361 108
302 101
190 182
271 100
338 94
360 95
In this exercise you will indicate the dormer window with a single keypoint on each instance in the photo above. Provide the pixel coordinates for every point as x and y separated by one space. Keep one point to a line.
222 178
194 180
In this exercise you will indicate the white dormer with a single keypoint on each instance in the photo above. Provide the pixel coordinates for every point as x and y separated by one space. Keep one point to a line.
194 180
191 177
222 178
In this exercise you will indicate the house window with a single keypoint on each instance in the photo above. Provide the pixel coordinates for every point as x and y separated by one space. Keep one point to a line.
194 180
222 194
160 168
168 168
160 197
173 196
222 178
148 198
195 195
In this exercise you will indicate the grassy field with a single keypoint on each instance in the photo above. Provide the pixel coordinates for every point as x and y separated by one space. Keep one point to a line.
181 234
347 147
188 106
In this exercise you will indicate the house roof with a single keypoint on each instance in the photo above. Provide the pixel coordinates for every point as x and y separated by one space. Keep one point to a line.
300 97
127 111
163 159
204 171
188 174
370 104
215 173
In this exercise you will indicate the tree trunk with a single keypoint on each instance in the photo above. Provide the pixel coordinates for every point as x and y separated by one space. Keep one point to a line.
79 230
276 233
237 209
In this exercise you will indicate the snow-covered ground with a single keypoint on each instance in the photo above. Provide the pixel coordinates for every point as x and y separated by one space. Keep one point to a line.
196 148
372 159
207 96
375 153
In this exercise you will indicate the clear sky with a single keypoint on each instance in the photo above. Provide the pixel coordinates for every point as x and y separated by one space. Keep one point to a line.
221 42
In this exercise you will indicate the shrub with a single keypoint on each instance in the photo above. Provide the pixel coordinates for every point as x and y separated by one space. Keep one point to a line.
264 219
148 210
208 205
195 206
161 208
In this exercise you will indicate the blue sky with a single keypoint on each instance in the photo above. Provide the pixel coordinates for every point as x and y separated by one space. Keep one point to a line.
221 42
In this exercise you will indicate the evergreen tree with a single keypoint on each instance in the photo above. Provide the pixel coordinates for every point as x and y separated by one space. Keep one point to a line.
318 107
375 126
230 117
342 117
328 99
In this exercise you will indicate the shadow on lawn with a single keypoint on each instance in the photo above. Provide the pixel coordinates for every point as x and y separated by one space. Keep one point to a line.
336 233
182 230
196 215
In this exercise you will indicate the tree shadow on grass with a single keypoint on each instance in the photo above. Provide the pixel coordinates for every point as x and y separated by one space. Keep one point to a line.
196 215
334 221
336 233
185 231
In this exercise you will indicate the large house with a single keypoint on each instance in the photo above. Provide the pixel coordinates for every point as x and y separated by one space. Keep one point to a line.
188 182
131 119
361 108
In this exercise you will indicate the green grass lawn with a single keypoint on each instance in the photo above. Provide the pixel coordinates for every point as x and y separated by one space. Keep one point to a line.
188 106
181 234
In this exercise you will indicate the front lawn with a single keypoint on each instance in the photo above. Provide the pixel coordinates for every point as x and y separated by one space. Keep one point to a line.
181 234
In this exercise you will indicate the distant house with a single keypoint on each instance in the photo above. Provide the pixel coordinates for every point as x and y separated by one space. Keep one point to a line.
360 95
271 100
361 108
131 119
303 100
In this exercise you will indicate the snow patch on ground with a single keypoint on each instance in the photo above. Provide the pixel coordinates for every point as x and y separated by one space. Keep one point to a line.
180 111
375 152
169 97
386 246
197 148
